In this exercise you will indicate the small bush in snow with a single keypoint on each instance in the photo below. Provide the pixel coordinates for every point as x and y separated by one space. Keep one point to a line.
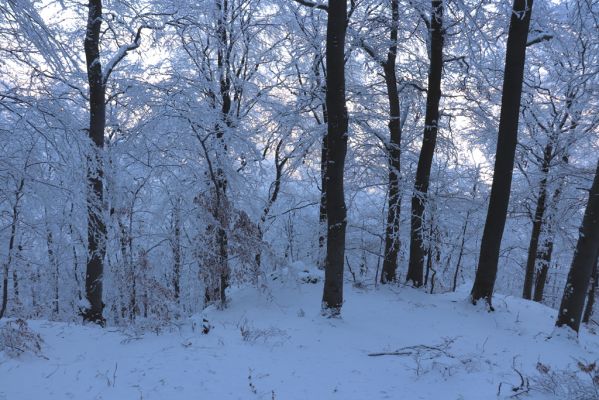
16 339
578 384
251 334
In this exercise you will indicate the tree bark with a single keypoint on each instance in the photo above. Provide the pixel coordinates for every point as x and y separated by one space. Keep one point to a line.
486 272
11 245
392 239
588 310
429 140
585 255
332 299
322 212
537 224
96 228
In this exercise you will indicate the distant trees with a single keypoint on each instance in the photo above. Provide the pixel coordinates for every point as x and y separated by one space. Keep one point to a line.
486 272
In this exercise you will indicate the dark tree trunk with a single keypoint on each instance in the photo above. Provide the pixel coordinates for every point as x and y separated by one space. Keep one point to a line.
429 140
544 256
588 311
176 248
332 299
54 264
537 224
392 239
322 212
11 245
585 255
96 229
486 272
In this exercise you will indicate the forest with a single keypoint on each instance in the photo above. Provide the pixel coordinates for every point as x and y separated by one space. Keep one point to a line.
278 189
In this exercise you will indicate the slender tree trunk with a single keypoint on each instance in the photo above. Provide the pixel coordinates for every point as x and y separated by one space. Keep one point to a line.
392 239
588 311
95 197
486 272
11 245
537 224
176 248
585 255
55 273
429 140
460 254
546 252
322 213
332 299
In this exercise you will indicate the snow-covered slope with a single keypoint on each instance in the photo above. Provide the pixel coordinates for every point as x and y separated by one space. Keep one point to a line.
275 345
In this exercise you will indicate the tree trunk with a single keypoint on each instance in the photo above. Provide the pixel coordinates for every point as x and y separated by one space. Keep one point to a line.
11 245
332 299
486 272
392 239
96 229
588 311
585 255
429 140
322 212
176 248
537 224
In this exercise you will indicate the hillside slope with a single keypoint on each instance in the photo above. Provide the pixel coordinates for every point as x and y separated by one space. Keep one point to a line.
274 344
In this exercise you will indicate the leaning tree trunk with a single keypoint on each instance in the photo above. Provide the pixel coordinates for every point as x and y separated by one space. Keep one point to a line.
332 298
486 272
429 140
392 241
585 255
96 229
537 224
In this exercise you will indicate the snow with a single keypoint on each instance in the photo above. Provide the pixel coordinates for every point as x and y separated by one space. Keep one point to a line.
274 344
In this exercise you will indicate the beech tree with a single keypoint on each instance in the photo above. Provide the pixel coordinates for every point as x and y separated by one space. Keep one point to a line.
337 124
513 76
585 255
429 140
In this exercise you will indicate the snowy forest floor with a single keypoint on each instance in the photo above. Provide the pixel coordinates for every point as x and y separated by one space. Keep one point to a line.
275 345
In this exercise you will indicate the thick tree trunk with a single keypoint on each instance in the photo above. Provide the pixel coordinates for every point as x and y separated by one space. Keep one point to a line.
537 224
332 299
486 272
588 310
96 229
585 255
429 140
217 287
392 239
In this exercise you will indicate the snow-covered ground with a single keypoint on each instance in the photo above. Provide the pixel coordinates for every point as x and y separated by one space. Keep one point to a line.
274 345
